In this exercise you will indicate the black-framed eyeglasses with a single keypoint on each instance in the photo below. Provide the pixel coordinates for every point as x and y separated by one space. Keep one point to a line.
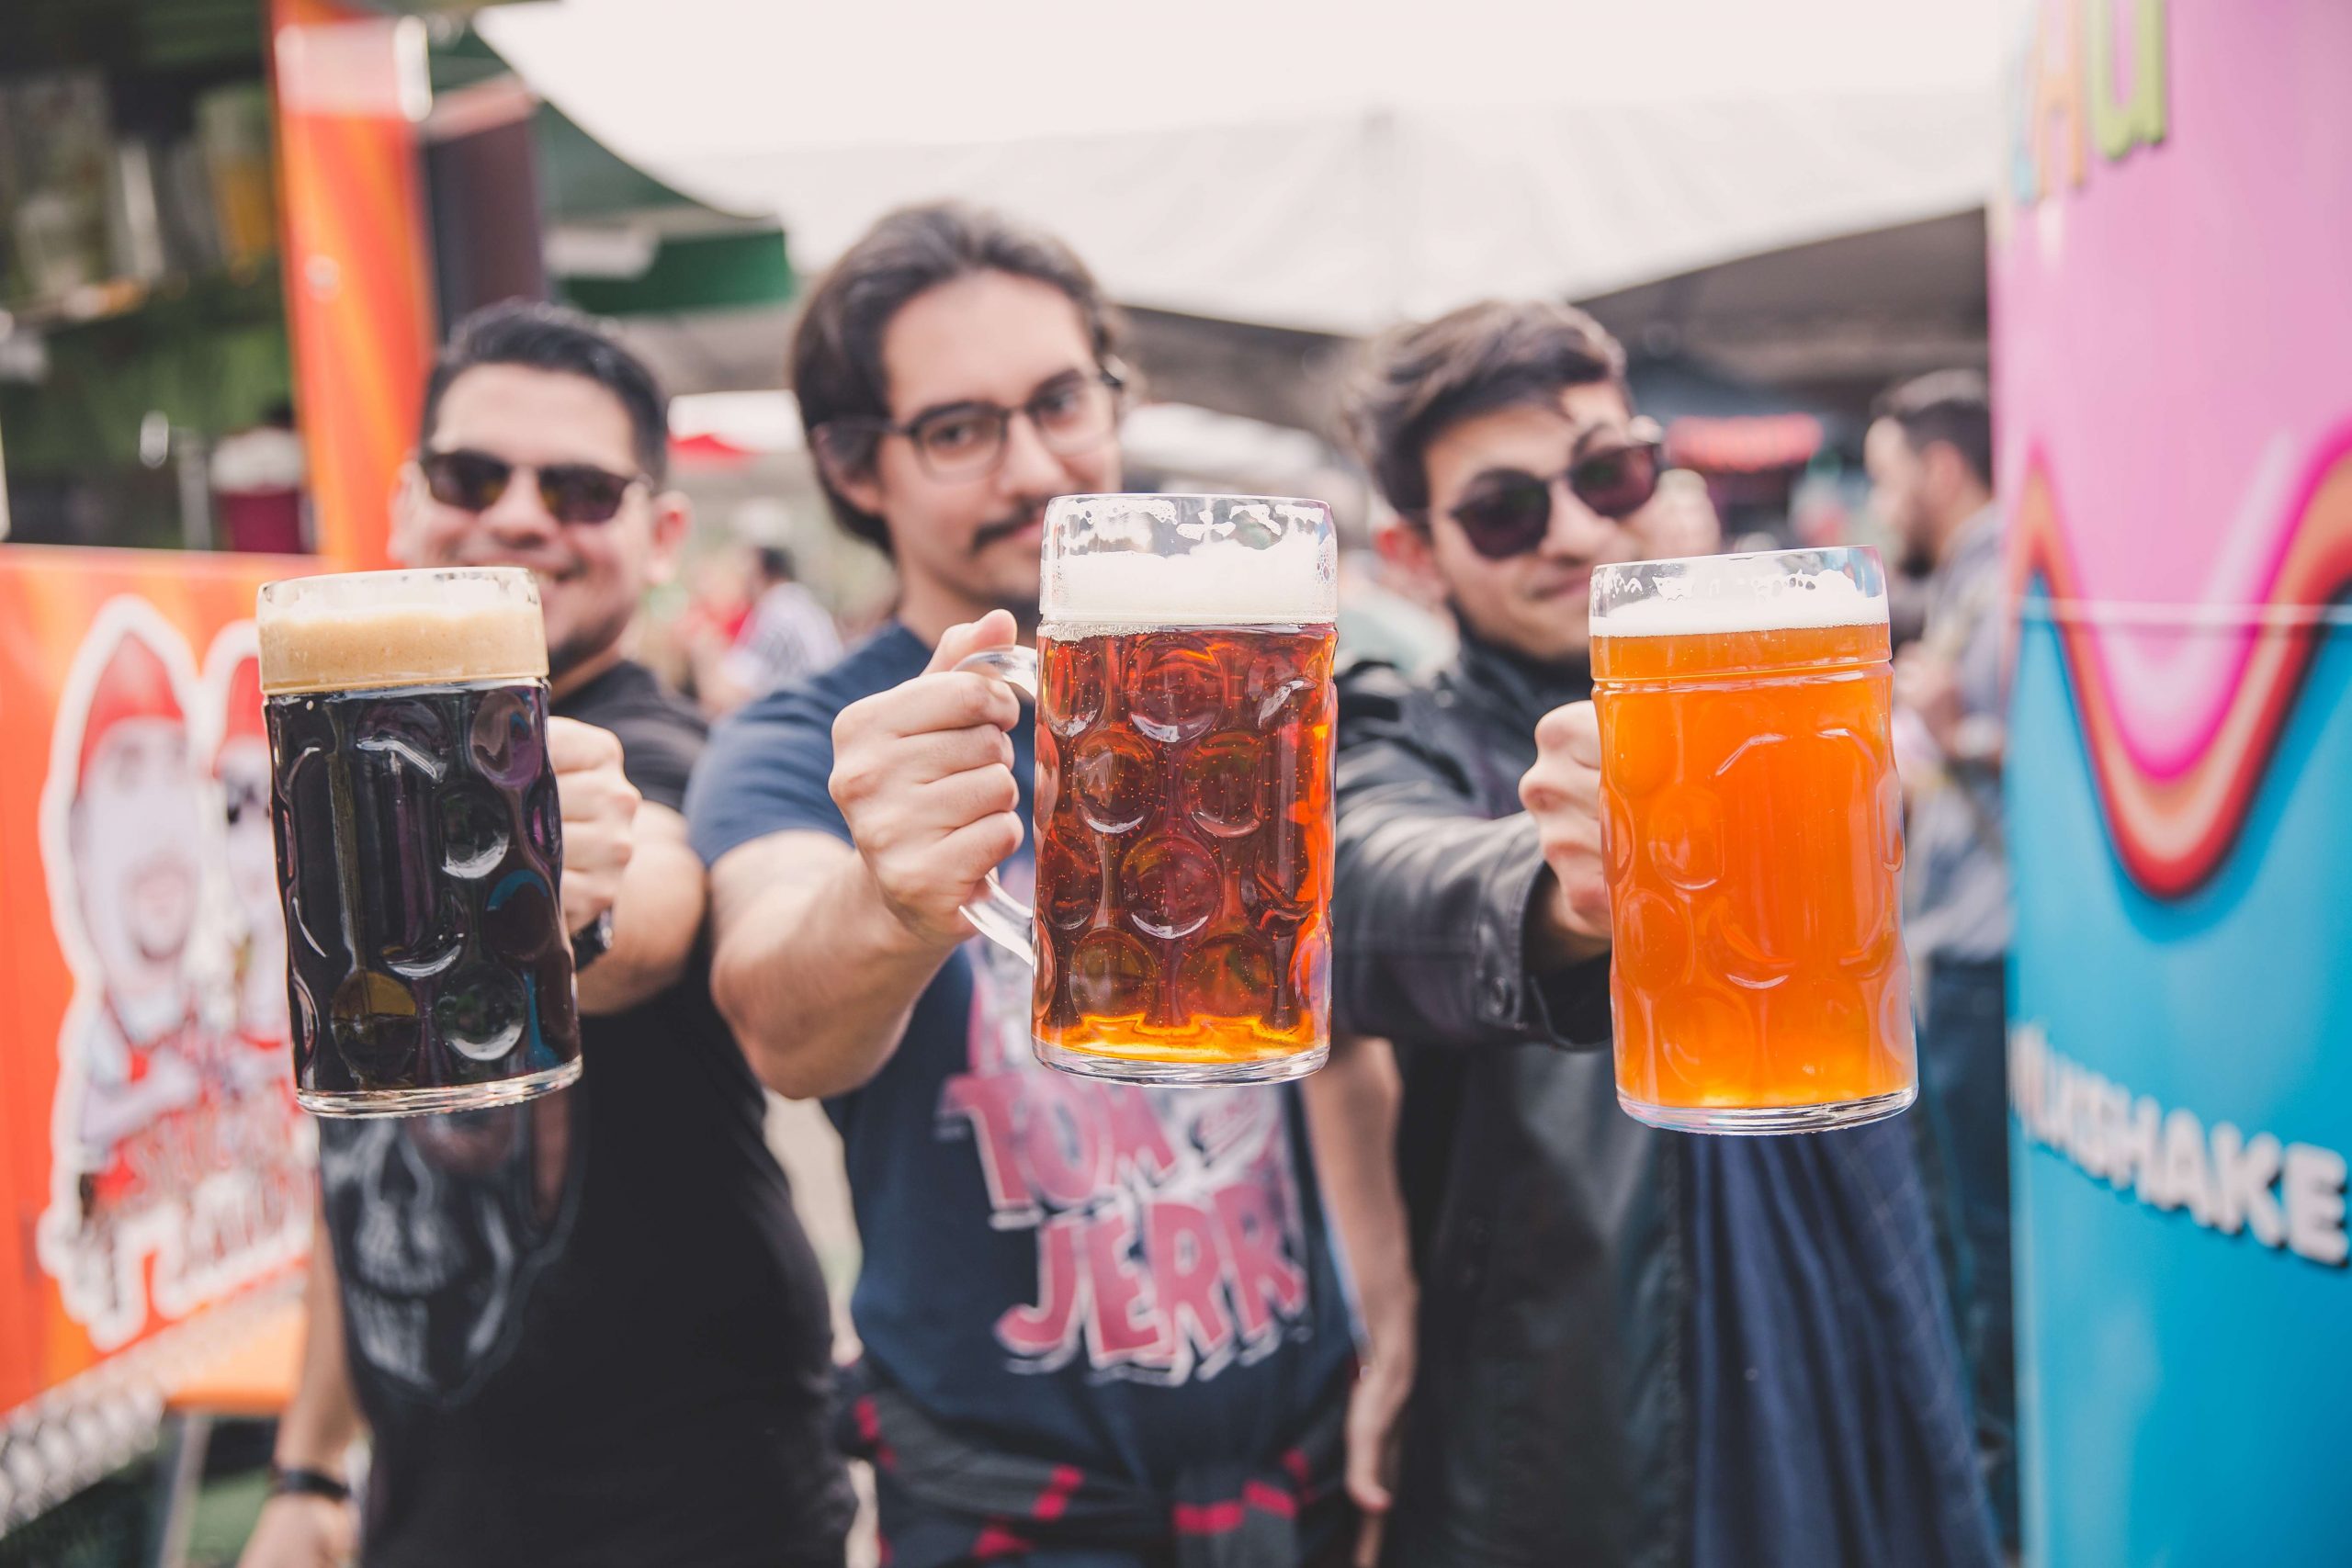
1070 413
572 492
1506 513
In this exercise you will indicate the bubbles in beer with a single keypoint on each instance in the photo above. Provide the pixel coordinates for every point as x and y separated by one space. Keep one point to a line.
1068 900
1109 976
1182 864
1225 783
1072 697
1171 885
1112 773
1226 977
1175 689
1751 824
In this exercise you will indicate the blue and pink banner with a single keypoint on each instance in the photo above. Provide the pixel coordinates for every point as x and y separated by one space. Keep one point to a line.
2172 278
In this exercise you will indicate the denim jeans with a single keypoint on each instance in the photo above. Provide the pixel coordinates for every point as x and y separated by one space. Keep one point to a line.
1963 1087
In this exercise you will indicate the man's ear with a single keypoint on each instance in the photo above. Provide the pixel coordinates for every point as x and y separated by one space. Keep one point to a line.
856 481
1403 545
674 521
408 500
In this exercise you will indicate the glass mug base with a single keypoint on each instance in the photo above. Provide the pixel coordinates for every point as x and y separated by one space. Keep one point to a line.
1769 1119
1181 1075
438 1101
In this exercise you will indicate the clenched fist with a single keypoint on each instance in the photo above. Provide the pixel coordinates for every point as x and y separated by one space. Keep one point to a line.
923 775
599 808
1562 792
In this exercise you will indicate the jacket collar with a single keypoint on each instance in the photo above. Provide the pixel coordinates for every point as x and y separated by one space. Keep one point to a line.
1515 688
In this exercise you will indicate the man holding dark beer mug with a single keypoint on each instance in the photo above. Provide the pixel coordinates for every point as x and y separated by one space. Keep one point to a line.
1102 1324
1634 1345
585 1329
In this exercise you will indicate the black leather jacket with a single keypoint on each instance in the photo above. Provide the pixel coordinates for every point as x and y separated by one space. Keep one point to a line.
1549 1425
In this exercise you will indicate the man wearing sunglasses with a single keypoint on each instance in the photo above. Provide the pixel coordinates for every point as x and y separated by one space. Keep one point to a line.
587 1330
1102 1328
1634 1346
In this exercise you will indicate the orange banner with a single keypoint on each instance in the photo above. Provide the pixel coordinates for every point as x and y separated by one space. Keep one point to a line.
357 290
152 1158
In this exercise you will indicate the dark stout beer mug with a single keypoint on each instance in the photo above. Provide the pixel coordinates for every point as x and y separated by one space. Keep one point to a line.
1181 933
420 845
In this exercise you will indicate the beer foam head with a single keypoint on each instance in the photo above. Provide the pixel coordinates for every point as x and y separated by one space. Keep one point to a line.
1163 560
401 628
1786 590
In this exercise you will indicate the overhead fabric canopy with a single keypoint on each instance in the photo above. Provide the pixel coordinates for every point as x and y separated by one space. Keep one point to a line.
1329 167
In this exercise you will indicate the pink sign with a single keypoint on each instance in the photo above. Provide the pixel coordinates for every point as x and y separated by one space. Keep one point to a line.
2175 443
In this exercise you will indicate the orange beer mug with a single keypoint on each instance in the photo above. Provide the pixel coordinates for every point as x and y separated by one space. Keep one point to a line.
1181 933
1752 833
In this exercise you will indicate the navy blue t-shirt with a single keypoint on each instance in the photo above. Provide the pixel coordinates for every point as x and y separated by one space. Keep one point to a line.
1132 1280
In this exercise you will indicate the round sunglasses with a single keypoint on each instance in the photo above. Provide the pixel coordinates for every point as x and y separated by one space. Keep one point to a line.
1506 513
572 492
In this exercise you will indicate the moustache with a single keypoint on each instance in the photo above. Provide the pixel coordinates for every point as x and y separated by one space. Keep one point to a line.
1004 528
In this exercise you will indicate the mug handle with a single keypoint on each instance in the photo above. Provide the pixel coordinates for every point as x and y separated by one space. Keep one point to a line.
996 914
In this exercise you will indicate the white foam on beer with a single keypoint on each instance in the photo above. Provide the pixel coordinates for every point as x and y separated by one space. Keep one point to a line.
1222 582
1725 593
380 628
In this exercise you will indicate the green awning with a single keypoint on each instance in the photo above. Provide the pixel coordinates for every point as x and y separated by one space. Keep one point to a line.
659 252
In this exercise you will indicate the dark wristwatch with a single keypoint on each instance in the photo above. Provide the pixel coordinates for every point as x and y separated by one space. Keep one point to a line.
591 942
295 1481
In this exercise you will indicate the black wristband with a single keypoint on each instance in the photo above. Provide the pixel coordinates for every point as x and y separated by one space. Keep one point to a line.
298 1482
591 942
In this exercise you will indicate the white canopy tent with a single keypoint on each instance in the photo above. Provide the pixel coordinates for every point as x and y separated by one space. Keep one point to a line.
1329 167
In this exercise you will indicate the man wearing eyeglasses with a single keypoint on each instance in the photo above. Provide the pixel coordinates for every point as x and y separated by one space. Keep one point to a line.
1102 1327
1633 1346
587 1330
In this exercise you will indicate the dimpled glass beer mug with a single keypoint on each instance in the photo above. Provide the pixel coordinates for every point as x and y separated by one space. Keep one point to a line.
1183 673
420 844
1752 832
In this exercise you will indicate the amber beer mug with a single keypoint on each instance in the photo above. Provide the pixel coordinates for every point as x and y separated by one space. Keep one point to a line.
1181 933
420 842
1752 832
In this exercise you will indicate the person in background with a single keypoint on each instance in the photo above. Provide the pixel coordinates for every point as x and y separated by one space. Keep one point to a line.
586 1330
1930 453
1634 1345
1102 1325
787 637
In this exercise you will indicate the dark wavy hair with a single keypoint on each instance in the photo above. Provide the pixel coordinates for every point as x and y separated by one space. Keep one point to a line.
1416 381
837 347
539 336
1954 407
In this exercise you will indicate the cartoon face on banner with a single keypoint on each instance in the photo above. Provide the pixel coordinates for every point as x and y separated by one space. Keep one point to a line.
249 853
179 1160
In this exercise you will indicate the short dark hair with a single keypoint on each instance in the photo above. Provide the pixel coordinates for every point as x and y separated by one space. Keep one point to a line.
539 336
775 563
1416 381
1954 407
837 347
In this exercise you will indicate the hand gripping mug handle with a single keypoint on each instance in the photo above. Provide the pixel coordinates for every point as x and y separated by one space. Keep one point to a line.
996 914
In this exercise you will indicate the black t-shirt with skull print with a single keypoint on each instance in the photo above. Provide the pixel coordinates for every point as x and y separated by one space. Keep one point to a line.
588 1329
